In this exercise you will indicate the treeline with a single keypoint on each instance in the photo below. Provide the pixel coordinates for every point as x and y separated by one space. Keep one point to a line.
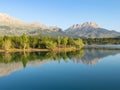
41 42
90 41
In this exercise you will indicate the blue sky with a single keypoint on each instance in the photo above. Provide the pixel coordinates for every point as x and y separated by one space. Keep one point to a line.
64 13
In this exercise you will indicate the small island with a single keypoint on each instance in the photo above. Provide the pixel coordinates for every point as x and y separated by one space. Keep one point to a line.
26 43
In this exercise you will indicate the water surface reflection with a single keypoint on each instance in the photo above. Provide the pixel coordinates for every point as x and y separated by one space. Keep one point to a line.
11 62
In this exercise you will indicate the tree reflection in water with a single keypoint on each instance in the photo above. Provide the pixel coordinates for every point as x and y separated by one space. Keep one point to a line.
10 62
86 56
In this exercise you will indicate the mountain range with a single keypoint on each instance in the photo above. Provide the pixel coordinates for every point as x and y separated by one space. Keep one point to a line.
15 27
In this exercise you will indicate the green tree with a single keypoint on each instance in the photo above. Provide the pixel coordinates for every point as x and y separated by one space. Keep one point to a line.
33 41
16 42
50 44
79 43
59 41
65 41
71 41
6 43
1 42
24 41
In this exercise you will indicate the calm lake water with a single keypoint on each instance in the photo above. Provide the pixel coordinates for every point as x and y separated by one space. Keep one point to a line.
104 46
88 69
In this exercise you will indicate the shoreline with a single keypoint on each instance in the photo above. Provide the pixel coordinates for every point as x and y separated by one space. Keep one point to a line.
40 50
26 50
67 49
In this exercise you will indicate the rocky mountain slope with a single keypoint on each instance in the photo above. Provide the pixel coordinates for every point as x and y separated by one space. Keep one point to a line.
90 30
15 27
12 26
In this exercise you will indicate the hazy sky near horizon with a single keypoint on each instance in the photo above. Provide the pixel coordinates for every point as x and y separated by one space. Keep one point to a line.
64 13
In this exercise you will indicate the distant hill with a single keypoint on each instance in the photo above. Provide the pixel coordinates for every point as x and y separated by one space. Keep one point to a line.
15 27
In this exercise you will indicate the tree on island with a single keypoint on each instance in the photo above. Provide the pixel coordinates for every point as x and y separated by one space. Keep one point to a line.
65 41
6 43
24 41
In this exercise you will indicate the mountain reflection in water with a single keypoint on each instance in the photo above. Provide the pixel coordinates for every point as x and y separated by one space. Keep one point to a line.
11 62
